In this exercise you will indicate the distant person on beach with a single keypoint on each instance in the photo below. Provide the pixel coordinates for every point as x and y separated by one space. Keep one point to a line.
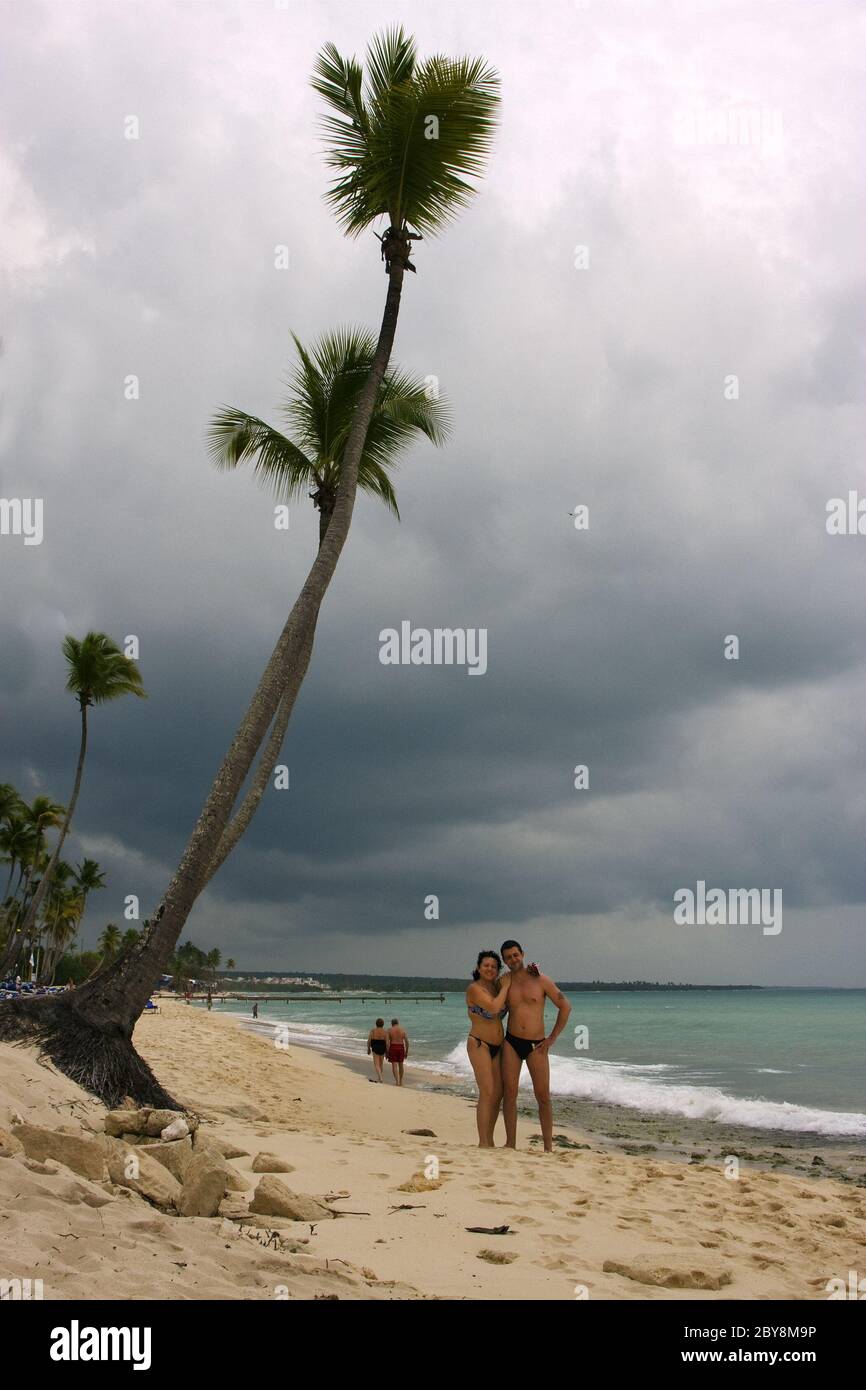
486 999
255 1010
525 1040
398 1049
377 1043
209 1002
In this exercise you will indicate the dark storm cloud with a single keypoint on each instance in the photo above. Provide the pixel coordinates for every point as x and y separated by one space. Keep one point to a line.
601 386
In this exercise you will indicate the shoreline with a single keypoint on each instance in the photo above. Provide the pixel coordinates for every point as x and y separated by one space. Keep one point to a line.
623 1129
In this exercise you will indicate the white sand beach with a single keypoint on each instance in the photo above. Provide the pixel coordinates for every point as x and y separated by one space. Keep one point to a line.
582 1222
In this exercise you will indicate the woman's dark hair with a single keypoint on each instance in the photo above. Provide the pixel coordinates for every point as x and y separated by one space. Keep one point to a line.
483 955
380 1023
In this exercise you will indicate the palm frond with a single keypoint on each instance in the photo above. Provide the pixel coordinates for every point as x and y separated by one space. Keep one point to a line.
425 136
235 437
391 59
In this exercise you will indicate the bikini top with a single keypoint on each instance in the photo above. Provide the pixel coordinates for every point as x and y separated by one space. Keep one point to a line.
477 1009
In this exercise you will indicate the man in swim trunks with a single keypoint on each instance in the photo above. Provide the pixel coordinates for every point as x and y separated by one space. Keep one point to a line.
398 1049
525 1041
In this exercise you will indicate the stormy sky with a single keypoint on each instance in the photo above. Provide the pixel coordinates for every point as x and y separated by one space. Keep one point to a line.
653 309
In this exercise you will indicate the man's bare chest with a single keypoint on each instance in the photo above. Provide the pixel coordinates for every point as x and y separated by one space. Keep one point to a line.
526 995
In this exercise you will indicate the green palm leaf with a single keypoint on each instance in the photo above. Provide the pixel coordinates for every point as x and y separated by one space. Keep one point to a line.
411 142
323 392
235 437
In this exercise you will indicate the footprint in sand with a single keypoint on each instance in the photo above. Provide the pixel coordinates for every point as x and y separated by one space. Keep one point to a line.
557 1262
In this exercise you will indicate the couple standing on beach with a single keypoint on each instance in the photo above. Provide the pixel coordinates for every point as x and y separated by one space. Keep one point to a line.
497 1055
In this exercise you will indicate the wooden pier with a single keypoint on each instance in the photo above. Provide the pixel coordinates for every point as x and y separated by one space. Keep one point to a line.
324 998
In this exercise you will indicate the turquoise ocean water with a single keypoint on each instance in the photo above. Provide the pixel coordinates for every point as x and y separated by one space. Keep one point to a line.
770 1059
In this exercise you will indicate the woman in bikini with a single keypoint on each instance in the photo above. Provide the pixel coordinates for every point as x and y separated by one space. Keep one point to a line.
486 1000
377 1042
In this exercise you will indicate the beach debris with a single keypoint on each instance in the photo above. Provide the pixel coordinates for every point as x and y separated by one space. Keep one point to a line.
424 1133
178 1129
497 1257
83 1155
410 1206
269 1163
419 1183
134 1168
126 1121
204 1184
489 1230
273 1198
158 1120
560 1141
644 1269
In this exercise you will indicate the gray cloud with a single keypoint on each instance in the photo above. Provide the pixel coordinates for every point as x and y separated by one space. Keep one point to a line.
602 386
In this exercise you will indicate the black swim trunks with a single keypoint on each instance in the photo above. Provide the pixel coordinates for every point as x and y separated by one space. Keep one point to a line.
378 1045
523 1046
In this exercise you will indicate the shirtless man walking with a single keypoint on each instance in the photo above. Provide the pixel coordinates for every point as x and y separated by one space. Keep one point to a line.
398 1049
525 1041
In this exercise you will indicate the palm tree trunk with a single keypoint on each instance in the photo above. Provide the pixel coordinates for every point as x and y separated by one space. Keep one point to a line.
88 1034
239 823
39 895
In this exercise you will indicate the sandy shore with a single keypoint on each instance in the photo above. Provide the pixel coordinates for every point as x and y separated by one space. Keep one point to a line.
583 1218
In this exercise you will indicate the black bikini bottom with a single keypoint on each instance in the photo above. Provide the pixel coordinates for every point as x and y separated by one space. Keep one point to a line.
522 1046
493 1048
377 1045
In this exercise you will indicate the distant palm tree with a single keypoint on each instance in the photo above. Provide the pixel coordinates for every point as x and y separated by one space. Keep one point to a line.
320 409
42 814
88 878
12 822
110 941
63 909
213 959
23 838
97 672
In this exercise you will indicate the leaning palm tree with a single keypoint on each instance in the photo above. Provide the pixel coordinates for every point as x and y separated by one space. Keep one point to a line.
97 672
320 408
407 141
